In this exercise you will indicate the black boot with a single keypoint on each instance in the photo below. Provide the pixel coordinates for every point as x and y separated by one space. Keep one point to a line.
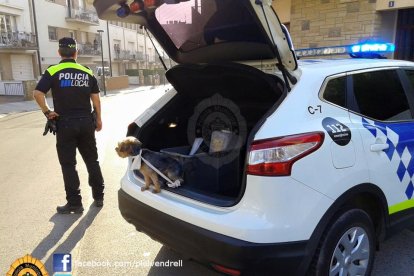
67 209
98 203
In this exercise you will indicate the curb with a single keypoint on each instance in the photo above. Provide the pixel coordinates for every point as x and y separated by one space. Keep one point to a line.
27 106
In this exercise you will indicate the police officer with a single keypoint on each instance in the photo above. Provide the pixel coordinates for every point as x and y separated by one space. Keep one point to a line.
73 88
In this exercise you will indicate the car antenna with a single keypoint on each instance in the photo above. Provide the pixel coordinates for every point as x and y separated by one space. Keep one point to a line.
285 73
158 53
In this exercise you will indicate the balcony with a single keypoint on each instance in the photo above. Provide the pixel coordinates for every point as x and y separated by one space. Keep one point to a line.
88 17
18 40
88 49
127 55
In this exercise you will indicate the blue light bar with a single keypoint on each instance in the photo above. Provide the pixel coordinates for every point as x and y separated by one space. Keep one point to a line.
373 47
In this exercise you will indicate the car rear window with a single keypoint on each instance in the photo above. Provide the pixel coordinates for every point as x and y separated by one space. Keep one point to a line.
380 95
196 23
335 91
410 74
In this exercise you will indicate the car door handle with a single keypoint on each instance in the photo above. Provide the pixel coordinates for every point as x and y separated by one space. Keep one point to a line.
379 147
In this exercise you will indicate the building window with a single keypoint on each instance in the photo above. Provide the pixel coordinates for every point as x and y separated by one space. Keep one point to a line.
7 28
52 33
131 47
117 48
7 23
404 41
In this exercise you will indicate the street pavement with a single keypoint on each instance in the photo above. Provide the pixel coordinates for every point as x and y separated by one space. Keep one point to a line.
100 240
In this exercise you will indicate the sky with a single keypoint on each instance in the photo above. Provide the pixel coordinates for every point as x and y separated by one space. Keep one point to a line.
180 12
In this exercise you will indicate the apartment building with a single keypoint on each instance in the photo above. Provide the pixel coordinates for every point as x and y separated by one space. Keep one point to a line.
131 48
60 18
18 45
320 23
126 46
30 30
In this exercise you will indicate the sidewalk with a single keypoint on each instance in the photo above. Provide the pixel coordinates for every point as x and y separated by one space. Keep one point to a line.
16 104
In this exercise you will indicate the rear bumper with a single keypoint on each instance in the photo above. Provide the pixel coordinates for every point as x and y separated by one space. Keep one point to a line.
213 248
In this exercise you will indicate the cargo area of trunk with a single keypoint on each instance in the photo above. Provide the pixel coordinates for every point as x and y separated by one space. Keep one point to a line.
225 100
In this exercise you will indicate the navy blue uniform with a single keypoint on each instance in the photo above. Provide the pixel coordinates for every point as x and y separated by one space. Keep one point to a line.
71 85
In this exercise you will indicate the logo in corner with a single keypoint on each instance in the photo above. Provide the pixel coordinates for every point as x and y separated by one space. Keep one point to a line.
27 266
62 263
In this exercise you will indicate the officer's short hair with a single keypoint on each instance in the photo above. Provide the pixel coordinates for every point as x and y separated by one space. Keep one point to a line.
67 53
67 47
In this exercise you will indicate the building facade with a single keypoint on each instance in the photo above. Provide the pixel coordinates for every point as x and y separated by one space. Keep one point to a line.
60 18
18 45
131 48
320 23
124 44
30 30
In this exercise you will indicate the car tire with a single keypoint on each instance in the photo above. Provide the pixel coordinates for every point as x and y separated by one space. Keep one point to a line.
347 246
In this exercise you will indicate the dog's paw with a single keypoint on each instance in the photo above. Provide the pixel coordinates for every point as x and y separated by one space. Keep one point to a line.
144 188
156 191
175 184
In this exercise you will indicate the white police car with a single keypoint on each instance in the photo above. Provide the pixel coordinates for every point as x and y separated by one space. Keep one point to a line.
288 167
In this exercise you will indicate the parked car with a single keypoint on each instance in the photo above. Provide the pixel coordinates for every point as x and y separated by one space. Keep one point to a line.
289 167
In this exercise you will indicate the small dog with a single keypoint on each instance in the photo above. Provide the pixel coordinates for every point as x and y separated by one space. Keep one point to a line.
131 146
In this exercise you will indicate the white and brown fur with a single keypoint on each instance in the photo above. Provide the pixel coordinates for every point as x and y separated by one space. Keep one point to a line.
131 146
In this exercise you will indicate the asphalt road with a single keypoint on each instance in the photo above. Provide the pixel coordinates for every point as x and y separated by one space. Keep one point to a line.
100 241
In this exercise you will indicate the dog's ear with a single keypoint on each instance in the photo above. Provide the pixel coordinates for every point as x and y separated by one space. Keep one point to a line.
119 147
134 141
122 147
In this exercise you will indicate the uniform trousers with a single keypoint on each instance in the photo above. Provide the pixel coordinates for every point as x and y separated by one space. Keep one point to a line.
78 133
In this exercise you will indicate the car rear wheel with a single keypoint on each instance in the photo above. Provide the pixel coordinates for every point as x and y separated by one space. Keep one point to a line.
348 246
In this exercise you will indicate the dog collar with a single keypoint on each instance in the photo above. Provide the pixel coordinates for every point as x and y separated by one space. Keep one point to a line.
136 152
136 162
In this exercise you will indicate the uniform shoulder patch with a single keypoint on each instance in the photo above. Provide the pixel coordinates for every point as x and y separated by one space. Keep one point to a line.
47 69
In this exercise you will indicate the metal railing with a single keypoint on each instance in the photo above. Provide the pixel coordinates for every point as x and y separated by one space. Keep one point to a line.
88 16
127 55
13 88
17 40
89 49
151 58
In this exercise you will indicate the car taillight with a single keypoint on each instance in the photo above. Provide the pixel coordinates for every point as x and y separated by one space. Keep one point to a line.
275 156
226 270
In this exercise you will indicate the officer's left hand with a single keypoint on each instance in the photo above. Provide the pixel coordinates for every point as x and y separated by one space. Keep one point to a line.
50 127
51 115
98 125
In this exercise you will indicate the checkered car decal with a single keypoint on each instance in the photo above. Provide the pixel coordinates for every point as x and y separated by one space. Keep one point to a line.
400 138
